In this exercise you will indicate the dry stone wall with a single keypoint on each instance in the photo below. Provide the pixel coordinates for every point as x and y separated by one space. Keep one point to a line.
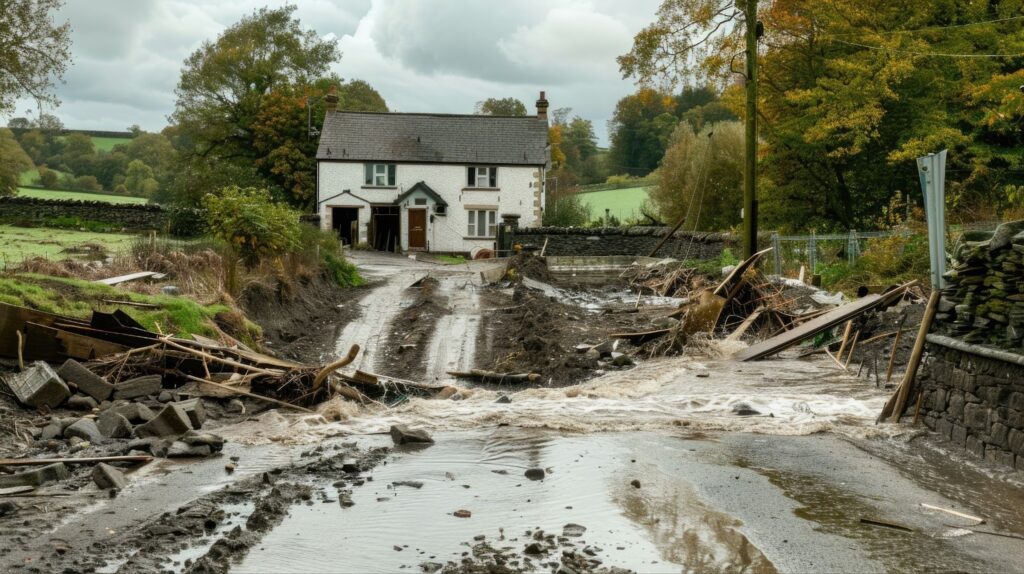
634 241
180 221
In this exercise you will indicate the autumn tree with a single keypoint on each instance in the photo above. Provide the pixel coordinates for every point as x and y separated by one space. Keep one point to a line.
701 177
34 51
222 91
500 107
13 161
640 129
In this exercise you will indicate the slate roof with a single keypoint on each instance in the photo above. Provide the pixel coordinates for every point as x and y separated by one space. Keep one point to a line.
422 186
434 138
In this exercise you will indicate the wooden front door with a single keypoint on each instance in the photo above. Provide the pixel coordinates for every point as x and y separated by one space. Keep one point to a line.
417 229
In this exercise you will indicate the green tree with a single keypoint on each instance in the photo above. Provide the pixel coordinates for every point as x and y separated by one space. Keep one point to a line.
34 144
138 178
13 161
640 129
500 107
701 177
357 96
252 223
48 178
34 51
222 90
79 153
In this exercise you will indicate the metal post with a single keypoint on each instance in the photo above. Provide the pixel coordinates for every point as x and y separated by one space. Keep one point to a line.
812 253
932 171
777 253
750 163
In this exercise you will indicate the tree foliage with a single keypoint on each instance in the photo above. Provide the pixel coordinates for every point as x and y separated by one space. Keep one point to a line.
500 107
851 91
640 129
34 51
701 177
252 223
13 161
224 87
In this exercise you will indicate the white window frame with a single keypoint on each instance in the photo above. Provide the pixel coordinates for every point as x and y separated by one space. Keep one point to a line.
379 174
482 177
485 220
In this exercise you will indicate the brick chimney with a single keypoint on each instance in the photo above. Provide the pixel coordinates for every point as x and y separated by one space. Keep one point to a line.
542 107
331 99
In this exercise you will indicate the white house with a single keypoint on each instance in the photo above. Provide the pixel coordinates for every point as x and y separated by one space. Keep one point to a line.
429 182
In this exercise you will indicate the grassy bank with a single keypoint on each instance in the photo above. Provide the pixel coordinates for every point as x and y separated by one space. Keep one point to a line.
20 243
77 298
621 203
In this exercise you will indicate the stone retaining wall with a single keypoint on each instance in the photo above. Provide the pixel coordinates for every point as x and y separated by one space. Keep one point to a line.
634 241
130 217
974 397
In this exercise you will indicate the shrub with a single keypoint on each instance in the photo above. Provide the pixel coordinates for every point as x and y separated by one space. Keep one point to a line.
249 221
565 209
87 183
48 178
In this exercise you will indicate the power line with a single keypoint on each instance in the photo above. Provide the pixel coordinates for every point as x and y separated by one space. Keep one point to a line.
926 29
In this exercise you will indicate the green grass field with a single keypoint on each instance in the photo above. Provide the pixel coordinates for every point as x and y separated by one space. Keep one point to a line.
30 177
107 144
621 203
77 195
18 243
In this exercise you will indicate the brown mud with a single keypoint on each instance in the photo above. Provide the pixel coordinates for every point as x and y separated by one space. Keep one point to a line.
405 351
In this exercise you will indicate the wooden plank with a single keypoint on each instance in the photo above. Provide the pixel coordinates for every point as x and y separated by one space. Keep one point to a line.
14 318
736 334
55 345
813 327
898 401
131 277
738 271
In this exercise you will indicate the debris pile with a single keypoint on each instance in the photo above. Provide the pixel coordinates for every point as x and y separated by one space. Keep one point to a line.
983 300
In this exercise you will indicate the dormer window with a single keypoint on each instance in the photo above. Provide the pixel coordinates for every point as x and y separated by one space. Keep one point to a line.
379 174
482 177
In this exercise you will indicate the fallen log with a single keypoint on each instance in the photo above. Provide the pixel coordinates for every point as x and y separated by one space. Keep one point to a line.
326 371
491 376
84 460
248 394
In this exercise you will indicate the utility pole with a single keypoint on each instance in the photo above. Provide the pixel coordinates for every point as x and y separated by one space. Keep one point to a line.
750 166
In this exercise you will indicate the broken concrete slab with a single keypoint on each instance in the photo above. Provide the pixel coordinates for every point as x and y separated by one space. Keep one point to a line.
36 477
87 382
402 434
107 477
114 425
134 412
82 403
172 421
138 387
195 410
85 429
215 442
38 386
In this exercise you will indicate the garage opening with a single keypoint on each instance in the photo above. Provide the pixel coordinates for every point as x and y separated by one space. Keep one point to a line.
385 227
345 221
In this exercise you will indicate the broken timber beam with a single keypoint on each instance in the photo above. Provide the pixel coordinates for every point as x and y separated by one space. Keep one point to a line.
496 377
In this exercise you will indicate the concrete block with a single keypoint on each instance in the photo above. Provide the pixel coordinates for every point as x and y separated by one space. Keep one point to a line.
172 421
193 438
138 387
84 429
38 386
113 425
195 410
134 412
87 382
37 476
107 477
180 449
82 403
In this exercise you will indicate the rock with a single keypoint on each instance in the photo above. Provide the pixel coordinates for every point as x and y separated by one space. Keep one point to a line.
534 548
503 400
107 477
703 375
573 530
235 406
8 508
87 382
1004 234
172 421
592 355
230 467
38 386
113 425
152 445
195 410
462 514
51 431
36 477
82 403
410 483
583 348
85 429
215 442
606 347
634 483
180 449
535 473
744 410
621 360
402 434
138 387
172 290
165 397
134 412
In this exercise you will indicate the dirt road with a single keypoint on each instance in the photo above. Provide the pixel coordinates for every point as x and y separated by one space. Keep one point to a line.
680 464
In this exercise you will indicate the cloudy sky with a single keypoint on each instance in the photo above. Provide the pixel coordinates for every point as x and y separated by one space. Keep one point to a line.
421 55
